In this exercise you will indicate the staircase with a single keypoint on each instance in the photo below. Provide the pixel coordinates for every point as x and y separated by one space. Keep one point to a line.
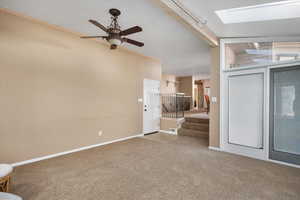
195 127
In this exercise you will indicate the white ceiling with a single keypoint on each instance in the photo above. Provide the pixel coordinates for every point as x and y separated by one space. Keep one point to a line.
206 8
181 52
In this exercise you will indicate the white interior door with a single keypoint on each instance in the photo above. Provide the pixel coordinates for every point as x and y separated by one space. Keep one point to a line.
152 114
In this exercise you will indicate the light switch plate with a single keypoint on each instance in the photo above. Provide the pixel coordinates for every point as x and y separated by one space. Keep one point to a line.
214 99
140 100
100 133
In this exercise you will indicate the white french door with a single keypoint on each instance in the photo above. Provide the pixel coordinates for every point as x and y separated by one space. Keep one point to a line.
152 113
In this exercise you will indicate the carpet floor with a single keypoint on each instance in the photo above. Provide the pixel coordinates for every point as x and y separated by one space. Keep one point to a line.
156 167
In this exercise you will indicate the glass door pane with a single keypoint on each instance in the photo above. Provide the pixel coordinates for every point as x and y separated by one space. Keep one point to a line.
285 115
249 54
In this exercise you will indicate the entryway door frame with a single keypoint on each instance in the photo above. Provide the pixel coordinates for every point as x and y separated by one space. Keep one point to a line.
151 121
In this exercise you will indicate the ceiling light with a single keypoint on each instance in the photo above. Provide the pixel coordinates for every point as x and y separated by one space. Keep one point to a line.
263 12
115 41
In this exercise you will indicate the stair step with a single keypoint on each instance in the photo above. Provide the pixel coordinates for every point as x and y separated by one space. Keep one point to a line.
193 133
196 120
196 126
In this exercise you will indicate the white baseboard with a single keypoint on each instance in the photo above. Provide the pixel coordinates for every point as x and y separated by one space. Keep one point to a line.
283 163
168 132
268 160
214 148
73 151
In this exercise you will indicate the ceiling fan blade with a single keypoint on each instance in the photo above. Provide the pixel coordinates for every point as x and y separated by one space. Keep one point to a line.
134 42
131 30
86 37
98 25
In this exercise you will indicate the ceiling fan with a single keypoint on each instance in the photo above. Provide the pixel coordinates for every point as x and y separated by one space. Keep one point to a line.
115 34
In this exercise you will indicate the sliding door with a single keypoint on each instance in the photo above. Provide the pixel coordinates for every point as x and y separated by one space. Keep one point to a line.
285 115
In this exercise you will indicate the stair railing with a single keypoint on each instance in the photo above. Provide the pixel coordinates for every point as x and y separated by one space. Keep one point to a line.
175 104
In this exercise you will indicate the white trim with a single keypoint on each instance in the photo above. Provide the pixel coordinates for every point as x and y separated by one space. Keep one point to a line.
214 148
282 65
267 160
283 163
72 151
169 132
275 64
260 39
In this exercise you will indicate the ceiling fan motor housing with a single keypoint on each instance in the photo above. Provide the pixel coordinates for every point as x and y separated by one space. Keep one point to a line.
115 12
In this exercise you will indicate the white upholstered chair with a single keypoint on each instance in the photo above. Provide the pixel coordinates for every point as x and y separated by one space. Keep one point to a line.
5 172
8 196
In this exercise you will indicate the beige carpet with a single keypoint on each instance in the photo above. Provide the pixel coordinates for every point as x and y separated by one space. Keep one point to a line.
156 167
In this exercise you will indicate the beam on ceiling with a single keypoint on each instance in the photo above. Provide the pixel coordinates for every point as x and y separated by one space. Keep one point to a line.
183 15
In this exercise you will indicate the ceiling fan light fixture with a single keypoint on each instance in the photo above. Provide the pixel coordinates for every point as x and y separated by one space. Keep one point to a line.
115 35
115 41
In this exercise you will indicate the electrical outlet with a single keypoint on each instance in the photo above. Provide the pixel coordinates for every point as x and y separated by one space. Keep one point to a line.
100 133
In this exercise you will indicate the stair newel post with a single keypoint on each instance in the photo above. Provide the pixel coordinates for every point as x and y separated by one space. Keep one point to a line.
176 105
182 105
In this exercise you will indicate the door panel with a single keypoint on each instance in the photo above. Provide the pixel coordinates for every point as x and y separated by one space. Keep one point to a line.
151 116
285 115
245 116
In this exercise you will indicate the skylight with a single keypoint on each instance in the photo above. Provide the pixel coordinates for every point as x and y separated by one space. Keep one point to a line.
263 12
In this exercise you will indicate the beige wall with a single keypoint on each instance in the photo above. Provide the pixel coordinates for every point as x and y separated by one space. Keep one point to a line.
57 90
168 123
214 128
186 85
171 87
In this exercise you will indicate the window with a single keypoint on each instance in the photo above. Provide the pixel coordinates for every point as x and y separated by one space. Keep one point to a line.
260 53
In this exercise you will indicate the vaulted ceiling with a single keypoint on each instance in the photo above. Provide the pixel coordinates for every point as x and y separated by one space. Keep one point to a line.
206 9
180 50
